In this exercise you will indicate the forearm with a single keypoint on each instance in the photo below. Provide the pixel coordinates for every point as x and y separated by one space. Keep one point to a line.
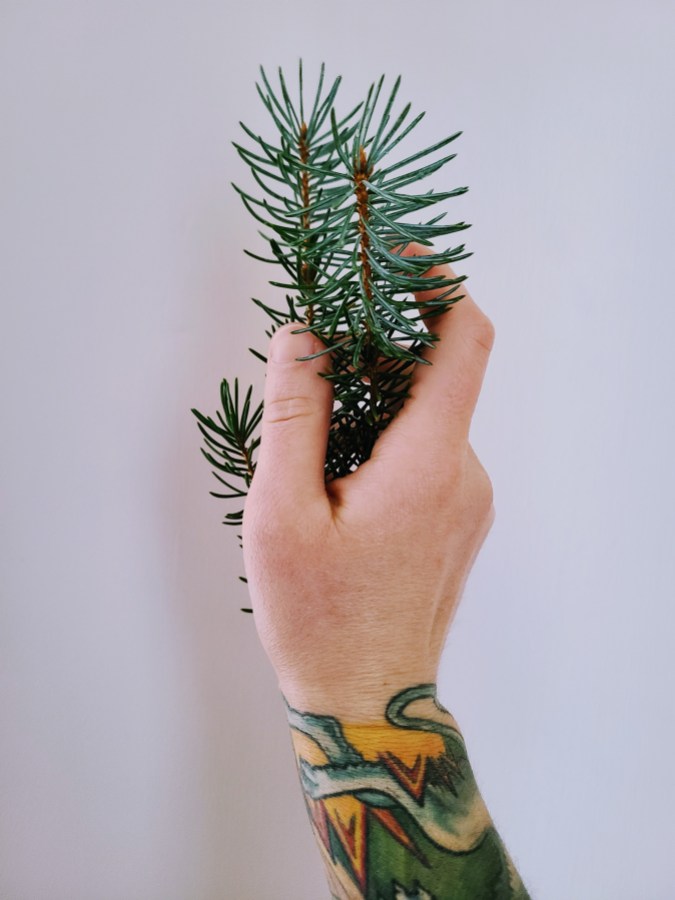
394 805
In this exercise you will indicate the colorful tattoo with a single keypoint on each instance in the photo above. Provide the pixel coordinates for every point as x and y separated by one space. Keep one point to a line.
395 808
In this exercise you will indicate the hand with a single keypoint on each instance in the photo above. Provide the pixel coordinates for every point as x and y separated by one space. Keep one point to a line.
354 582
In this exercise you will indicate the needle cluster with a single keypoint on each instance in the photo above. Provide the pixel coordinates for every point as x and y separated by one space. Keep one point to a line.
338 204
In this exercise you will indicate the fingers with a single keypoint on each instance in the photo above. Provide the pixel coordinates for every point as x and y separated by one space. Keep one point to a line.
443 395
296 417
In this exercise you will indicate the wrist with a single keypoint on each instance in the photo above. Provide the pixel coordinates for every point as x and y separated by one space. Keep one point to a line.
356 701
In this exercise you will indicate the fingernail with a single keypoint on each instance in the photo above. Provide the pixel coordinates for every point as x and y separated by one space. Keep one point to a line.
286 346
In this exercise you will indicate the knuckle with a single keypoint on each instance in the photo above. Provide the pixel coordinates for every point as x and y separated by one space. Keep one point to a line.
483 493
486 493
481 488
288 409
481 331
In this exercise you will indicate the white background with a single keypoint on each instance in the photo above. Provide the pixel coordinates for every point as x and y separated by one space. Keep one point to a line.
144 753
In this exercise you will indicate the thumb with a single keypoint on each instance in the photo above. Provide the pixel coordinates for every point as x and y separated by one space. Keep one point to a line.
296 415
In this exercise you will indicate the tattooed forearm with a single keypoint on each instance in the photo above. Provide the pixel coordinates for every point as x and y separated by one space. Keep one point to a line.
395 807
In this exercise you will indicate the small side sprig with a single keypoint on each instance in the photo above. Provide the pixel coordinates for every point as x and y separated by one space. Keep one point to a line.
230 447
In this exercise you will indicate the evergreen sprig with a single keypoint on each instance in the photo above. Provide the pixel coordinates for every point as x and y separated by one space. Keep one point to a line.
332 197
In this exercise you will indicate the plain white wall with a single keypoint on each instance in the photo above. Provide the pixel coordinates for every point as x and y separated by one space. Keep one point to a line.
144 753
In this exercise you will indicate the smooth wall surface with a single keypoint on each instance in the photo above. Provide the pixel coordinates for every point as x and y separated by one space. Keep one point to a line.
144 753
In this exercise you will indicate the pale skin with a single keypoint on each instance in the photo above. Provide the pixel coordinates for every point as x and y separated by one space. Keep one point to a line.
354 582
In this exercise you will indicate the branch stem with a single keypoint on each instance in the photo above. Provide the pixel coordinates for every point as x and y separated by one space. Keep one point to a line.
306 273
363 171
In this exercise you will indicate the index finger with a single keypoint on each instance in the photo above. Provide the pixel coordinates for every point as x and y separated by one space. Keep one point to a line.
443 396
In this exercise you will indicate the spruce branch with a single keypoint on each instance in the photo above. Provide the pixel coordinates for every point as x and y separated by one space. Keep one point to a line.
332 198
